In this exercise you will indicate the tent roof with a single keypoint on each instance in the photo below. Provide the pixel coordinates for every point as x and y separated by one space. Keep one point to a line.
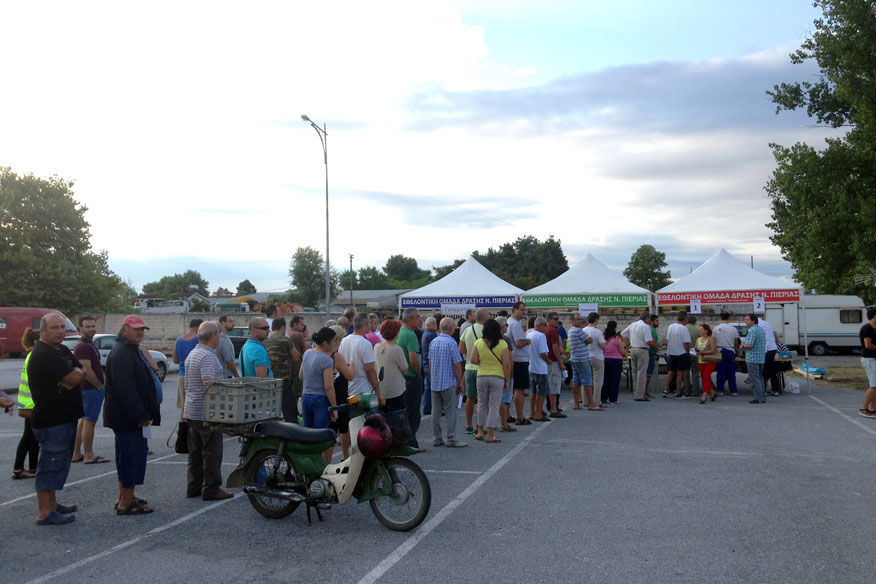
588 275
722 272
469 279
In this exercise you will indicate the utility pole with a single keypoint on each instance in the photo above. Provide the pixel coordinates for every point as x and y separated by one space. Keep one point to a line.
752 262
351 282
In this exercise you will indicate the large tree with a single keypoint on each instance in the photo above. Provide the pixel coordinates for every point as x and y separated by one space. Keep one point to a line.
526 262
646 268
348 279
307 275
46 258
371 278
441 271
178 285
403 269
823 213
245 287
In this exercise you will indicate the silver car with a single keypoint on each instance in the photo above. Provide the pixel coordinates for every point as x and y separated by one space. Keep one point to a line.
105 342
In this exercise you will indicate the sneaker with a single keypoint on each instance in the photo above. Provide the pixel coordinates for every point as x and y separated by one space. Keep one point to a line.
55 518
734 394
559 415
456 445
437 443
757 401
682 396
665 394
469 430
775 394
720 393
867 414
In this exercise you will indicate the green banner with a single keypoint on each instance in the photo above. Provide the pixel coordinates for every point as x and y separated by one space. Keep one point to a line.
573 300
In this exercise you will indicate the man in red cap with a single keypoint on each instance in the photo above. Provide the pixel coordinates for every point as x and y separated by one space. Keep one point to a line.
131 407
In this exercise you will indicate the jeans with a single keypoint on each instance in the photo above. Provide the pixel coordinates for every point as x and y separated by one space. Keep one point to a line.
612 379
56 453
755 375
427 393
131 449
413 399
315 411
205 460
770 372
727 370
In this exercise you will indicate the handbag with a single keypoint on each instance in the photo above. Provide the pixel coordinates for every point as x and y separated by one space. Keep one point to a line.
715 357
182 438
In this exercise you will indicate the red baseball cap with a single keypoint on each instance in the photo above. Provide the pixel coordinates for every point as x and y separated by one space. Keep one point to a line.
134 321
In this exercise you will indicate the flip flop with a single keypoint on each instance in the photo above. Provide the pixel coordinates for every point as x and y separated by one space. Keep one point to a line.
493 441
481 437
75 461
507 429
97 460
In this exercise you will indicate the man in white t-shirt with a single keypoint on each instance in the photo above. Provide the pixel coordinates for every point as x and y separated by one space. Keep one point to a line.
678 354
357 350
727 339
638 338
538 369
597 358
520 357
772 348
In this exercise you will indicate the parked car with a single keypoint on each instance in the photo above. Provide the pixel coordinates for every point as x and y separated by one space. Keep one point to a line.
238 336
105 342
13 322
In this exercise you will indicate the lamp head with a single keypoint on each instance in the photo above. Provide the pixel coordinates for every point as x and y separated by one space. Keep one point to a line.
305 118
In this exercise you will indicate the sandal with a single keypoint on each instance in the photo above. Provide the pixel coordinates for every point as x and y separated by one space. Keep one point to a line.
22 474
702 401
507 429
137 500
493 441
523 422
135 508
479 437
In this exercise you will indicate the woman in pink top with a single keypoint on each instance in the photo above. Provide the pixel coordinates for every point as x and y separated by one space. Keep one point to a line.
615 352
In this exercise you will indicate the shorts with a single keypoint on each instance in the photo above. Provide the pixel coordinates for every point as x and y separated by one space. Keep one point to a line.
92 400
679 362
521 375
540 383
315 411
471 384
555 378
869 365
652 364
508 393
582 373
131 452
56 453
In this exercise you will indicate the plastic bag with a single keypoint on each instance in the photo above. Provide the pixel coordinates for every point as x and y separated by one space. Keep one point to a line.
793 387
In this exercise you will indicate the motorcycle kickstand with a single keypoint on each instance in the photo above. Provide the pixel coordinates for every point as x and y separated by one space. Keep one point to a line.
318 513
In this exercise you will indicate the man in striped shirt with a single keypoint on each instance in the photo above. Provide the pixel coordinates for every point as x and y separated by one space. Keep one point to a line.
445 367
205 445
755 355
582 372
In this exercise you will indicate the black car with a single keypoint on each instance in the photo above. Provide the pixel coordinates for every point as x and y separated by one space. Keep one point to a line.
238 336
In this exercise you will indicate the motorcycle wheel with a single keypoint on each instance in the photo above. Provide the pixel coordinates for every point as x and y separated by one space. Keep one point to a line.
268 469
408 503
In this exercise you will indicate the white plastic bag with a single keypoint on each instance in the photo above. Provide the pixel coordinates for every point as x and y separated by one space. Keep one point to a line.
793 387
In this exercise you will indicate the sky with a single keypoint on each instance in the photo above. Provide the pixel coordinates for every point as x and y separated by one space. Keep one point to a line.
452 127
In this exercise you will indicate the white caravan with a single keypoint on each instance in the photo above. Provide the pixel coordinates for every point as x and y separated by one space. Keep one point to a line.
832 321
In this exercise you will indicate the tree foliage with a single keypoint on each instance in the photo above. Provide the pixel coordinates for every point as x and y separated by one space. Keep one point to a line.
307 275
823 216
403 269
46 258
178 285
245 287
348 279
371 278
526 262
645 268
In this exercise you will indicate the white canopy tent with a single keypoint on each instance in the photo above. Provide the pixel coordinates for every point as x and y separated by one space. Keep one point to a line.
723 279
469 285
588 282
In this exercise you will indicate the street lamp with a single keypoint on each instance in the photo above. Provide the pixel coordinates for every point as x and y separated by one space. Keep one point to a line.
323 139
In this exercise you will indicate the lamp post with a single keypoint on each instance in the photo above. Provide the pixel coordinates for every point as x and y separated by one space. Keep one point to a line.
323 139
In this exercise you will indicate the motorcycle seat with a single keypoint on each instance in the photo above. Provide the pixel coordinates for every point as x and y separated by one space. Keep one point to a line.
296 432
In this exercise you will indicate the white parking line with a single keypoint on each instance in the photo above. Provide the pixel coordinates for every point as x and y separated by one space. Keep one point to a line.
867 427
427 528
474 472
129 543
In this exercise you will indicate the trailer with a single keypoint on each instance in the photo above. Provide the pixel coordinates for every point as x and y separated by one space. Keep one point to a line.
831 322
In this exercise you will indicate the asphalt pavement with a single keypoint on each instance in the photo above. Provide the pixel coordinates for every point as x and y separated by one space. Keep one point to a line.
665 491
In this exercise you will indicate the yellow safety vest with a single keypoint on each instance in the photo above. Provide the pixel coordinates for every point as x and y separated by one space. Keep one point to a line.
25 401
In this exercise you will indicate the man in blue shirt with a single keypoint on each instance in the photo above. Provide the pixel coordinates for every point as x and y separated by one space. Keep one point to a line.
254 360
445 364
429 335
755 356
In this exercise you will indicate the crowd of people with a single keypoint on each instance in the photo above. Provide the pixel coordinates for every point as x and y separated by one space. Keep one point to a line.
424 368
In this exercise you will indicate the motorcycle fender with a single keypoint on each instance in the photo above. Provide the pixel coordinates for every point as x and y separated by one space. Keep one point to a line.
368 493
248 450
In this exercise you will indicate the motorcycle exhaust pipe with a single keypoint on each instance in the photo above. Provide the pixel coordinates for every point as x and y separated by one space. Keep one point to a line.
275 493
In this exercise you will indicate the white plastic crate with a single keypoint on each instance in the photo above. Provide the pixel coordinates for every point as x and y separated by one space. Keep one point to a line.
241 400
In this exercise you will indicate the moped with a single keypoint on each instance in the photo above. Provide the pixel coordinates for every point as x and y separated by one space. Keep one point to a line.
282 466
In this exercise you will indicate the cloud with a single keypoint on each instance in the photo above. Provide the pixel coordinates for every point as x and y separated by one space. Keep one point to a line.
662 96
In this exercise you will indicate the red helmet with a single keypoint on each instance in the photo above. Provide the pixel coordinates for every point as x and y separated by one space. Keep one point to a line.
375 437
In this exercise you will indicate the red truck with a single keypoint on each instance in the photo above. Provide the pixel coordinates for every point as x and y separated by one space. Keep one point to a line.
13 321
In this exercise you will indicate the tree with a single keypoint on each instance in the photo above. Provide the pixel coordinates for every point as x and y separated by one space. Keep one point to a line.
441 271
526 262
245 287
46 258
822 201
403 269
371 278
348 280
198 305
178 285
307 274
645 267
